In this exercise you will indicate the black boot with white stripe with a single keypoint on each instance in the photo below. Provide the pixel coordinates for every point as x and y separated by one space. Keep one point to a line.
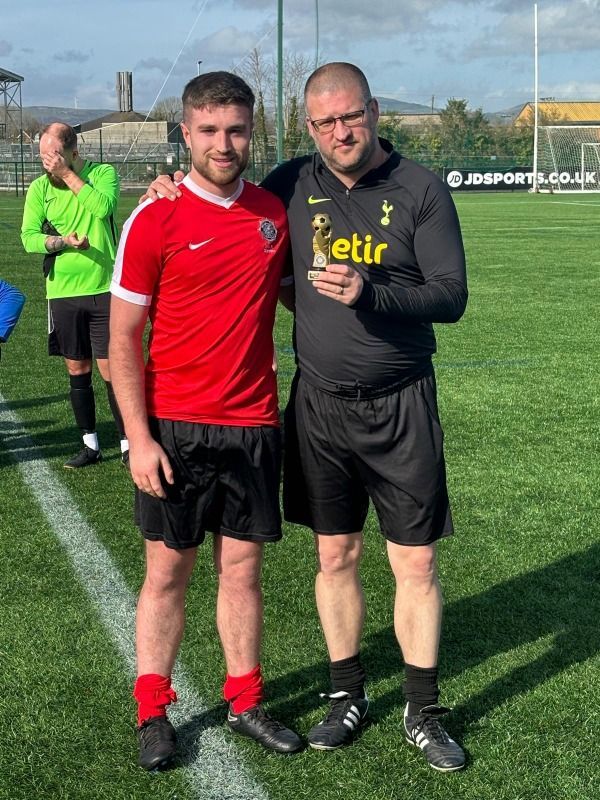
425 731
341 724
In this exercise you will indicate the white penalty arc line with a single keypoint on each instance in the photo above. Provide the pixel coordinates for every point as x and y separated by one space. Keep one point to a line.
212 763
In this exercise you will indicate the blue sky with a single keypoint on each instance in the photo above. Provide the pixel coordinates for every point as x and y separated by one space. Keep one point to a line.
411 50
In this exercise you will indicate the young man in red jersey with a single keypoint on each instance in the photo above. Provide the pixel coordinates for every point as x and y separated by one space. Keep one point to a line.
201 415
362 422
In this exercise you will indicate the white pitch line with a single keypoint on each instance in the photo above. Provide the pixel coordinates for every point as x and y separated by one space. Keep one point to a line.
530 229
212 763
571 203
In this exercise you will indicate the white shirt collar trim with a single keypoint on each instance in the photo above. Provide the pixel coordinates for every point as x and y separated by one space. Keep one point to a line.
226 202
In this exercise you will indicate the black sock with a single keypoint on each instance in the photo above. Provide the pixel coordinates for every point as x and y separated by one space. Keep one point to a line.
83 402
112 401
420 687
348 675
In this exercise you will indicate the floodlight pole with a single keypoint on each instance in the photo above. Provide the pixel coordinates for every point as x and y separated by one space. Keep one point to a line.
279 81
316 33
535 99
21 142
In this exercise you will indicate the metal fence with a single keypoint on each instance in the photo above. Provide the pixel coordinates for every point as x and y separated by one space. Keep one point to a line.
15 177
19 165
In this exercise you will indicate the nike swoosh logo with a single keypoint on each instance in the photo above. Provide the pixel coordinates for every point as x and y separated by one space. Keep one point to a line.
312 200
200 244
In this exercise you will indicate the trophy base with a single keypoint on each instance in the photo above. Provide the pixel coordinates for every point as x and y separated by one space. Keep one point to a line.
315 274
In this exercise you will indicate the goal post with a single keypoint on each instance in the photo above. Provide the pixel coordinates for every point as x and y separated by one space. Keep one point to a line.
568 158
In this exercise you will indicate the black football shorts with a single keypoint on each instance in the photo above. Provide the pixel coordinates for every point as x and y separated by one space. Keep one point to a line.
78 327
226 481
341 452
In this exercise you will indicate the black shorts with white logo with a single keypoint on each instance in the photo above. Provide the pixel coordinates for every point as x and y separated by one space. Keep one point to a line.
78 326
339 452
226 481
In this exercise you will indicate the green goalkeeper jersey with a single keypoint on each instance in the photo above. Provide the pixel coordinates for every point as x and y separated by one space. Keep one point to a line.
91 213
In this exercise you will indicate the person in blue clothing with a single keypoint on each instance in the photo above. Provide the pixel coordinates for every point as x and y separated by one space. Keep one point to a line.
11 304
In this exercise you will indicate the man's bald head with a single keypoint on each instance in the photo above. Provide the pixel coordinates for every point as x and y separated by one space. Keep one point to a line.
63 133
59 139
336 77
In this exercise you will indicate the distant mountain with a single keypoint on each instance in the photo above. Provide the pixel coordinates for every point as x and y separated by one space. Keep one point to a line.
505 117
72 116
77 116
389 105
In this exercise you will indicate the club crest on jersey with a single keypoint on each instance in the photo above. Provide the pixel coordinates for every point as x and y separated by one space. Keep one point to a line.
387 209
267 230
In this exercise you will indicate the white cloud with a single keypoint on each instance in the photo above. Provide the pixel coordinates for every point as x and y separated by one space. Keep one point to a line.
162 64
481 50
72 57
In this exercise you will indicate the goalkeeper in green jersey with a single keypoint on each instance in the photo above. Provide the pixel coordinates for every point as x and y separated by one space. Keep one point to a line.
76 199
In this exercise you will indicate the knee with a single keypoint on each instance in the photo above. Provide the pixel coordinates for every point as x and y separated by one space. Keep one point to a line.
164 584
417 566
79 369
239 575
167 571
336 558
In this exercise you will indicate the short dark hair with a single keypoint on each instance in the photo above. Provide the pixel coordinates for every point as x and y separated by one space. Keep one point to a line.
335 76
217 89
63 132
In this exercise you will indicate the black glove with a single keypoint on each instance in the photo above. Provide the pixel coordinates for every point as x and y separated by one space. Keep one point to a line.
49 259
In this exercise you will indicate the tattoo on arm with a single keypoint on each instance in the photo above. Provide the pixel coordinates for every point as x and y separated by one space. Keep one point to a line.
54 244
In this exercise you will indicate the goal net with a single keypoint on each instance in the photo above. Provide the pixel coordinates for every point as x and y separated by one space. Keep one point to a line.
568 158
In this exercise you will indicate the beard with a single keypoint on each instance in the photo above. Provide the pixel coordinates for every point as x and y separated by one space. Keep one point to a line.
359 159
220 176
360 156
57 182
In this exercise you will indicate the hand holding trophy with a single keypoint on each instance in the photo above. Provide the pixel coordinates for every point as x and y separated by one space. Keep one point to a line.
321 224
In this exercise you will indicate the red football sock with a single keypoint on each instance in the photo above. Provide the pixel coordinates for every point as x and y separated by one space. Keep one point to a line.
153 693
244 691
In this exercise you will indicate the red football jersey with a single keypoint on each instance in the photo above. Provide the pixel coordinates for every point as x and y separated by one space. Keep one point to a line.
209 268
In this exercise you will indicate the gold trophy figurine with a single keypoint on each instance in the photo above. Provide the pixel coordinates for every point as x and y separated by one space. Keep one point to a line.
321 224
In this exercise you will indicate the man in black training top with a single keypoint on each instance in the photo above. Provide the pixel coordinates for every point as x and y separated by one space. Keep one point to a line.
362 421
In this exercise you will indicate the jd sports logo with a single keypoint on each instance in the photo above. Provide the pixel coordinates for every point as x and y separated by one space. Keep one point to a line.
312 200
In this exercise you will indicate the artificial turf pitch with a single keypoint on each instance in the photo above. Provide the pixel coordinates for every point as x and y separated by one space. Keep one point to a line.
518 391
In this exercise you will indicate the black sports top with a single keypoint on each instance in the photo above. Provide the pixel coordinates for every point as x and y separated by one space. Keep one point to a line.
399 228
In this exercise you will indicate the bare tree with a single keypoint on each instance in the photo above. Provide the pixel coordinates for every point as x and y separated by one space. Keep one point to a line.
256 72
261 74
31 126
293 130
168 109
296 69
261 133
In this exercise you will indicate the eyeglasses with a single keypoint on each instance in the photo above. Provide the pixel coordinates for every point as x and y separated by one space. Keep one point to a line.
350 120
